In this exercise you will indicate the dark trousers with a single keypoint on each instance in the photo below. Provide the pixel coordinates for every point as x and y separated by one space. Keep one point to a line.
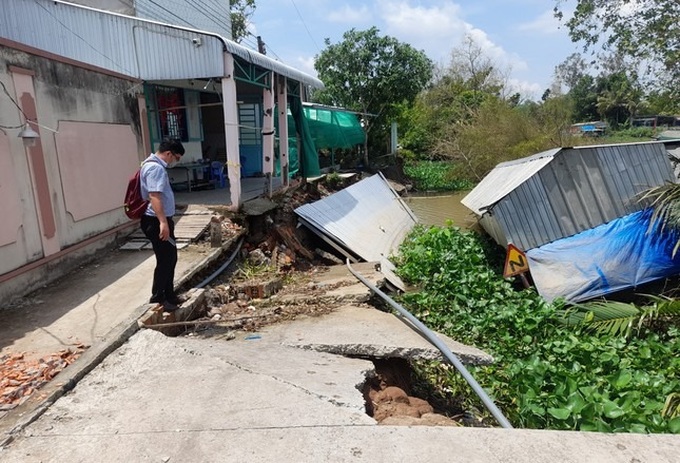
166 258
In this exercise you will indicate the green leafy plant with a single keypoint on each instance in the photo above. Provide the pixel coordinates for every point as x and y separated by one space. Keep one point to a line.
435 176
665 205
249 271
546 374
619 318
334 180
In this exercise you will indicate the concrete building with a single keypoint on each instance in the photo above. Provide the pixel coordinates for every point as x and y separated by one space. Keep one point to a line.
100 89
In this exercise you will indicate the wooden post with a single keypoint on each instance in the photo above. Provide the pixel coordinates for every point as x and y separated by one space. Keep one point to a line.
215 232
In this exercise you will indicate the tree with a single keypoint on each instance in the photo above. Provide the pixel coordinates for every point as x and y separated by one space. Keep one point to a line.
454 96
584 97
372 75
471 65
642 29
618 98
570 71
241 12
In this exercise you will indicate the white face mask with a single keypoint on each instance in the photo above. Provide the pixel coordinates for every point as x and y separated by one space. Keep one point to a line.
173 162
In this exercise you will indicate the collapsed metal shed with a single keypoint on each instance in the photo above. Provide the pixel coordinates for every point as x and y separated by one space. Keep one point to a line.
561 192
576 213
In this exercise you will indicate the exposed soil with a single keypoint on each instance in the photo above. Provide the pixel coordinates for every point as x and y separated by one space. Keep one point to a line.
277 258
390 399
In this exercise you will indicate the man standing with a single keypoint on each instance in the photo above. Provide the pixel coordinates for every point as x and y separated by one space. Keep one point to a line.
157 223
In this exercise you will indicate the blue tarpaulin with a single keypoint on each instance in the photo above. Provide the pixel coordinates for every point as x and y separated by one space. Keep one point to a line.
621 254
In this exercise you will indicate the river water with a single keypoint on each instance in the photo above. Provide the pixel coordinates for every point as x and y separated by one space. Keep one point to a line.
436 209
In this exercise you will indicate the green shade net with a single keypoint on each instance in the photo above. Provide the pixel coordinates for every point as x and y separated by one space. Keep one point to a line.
309 156
334 128
320 128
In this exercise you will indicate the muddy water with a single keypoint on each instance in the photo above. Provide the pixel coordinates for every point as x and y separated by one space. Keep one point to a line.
436 209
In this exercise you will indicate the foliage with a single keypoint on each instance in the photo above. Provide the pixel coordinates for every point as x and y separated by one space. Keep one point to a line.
457 92
248 270
620 318
545 375
334 180
618 98
662 102
474 69
584 97
553 118
464 118
636 133
241 12
572 70
665 204
371 74
644 30
434 176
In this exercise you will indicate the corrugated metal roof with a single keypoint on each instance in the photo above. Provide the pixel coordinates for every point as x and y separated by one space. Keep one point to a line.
577 189
504 178
132 46
206 15
368 218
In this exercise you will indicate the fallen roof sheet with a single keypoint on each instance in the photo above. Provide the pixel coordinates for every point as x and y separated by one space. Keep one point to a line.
504 178
367 218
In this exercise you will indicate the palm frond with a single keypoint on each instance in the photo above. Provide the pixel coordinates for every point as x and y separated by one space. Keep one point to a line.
619 318
664 305
665 204
605 317
671 408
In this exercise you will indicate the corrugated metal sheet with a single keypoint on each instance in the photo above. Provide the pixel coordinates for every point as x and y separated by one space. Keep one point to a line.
504 178
206 15
368 218
135 47
577 189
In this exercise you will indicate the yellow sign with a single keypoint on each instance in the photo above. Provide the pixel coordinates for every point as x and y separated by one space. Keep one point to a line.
515 262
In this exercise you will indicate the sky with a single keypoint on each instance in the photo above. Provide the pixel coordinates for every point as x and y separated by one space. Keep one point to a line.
522 36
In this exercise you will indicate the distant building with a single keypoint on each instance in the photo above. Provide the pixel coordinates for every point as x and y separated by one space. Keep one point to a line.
656 121
589 129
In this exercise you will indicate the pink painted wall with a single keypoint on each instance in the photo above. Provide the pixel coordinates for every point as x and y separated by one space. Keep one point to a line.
9 192
96 161
38 164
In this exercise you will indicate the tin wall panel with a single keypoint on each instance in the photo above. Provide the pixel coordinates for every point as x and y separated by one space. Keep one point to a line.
204 15
503 179
579 189
367 218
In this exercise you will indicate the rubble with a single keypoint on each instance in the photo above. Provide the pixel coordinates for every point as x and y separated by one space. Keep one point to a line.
21 377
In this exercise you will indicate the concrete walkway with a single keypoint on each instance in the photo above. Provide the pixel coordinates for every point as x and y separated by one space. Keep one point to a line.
283 394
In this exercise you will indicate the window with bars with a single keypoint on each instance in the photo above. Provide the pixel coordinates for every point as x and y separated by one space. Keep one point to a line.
172 114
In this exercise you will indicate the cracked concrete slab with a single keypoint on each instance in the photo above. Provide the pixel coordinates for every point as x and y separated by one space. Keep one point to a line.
190 384
159 399
366 332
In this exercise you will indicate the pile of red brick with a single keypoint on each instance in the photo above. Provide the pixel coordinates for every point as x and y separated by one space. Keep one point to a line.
21 377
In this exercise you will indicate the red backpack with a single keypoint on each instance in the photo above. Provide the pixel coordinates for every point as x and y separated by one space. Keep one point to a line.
134 204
